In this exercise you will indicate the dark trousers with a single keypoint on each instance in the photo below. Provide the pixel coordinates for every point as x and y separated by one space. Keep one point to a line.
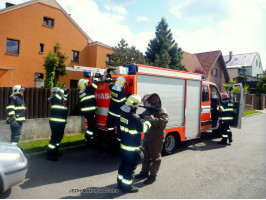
57 129
16 132
226 131
111 122
129 162
91 125
152 157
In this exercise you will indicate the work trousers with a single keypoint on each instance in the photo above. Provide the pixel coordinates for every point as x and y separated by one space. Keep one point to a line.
129 162
57 129
226 131
111 122
152 157
16 132
91 125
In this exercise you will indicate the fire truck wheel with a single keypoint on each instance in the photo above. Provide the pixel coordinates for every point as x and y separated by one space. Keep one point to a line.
170 144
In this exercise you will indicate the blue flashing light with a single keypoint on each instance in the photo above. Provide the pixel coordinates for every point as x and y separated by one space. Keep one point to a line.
132 69
87 74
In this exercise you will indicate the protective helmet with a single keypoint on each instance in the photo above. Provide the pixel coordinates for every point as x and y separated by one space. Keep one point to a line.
133 101
83 83
154 100
120 82
17 88
55 89
225 96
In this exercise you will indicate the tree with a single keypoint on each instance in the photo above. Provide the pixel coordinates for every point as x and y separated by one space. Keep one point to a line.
261 86
123 55
55 67
163 47
60 69
50 63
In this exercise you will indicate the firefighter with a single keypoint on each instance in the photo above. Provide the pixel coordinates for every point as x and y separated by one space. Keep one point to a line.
57 121
88 105
226 113
154 138
117 99
130 128
16 111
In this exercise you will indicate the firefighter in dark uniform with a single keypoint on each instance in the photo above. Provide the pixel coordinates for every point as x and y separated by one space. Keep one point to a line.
117 99
88 104
57 121
16 111
131 128
226 114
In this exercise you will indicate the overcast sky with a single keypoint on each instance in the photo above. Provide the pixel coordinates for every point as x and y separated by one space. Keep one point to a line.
197 25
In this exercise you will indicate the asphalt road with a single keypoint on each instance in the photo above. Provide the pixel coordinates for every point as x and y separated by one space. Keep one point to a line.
199 169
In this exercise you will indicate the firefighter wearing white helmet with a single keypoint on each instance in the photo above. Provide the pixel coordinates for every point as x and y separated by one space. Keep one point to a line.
16 111
88 105
131 127
117 99
57 121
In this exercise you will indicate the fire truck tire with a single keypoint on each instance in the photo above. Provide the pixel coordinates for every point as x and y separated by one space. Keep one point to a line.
170 143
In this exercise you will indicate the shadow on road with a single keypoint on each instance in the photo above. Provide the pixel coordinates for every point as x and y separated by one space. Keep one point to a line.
106 192
208 141
76 163
85 161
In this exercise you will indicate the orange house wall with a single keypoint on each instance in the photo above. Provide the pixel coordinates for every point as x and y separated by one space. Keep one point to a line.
26 25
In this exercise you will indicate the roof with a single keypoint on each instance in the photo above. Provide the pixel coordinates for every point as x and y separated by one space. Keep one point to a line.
101 44
192 63
208 60
52 3
245 59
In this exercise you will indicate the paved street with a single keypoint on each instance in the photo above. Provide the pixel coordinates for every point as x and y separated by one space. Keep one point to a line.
199 169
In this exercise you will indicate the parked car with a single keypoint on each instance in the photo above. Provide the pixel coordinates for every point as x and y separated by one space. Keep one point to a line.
13 166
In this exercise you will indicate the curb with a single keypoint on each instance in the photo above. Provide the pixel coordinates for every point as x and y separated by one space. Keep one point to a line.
64 149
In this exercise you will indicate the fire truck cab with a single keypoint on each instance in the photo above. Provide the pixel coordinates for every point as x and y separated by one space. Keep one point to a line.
190 101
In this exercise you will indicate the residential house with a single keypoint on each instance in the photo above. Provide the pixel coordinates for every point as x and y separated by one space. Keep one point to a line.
248 65
210 64
28 31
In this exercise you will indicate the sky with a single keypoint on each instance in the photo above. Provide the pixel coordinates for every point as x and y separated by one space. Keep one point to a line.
197 25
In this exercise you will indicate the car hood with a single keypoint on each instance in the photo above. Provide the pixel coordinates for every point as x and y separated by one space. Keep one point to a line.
10 155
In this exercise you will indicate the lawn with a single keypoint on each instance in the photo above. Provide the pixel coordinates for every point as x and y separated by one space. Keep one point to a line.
31 146
250 112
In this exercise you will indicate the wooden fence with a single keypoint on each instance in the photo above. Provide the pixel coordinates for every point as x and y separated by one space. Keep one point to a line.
36 102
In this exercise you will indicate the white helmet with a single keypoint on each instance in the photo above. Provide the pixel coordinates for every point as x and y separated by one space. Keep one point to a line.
17 88
83 83
133 100
120 81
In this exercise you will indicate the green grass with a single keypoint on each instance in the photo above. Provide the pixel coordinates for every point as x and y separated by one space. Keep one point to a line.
250 112
31 146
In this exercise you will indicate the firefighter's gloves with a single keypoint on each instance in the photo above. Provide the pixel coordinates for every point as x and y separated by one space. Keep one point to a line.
14 124
149 118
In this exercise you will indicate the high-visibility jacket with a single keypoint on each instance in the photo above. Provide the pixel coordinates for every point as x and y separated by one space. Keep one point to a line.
16 108
87 99
226 111
131 128
59 108
117 99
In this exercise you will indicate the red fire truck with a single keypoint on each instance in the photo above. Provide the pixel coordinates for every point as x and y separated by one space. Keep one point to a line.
190 101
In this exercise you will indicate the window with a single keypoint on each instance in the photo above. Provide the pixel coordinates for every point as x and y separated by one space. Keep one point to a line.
12 46
41 48
108 57
205 93
48 21
73 83
215 93
215 72
75 56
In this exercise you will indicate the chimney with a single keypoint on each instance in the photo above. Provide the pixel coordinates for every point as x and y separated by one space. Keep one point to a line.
230 55
9 4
